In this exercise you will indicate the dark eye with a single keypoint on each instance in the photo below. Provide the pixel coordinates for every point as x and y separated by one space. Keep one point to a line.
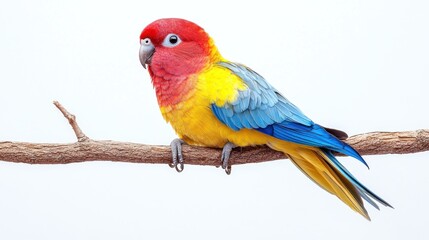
145 41
171 40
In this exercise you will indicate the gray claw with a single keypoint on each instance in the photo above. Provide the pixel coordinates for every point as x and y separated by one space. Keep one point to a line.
177 157
226 153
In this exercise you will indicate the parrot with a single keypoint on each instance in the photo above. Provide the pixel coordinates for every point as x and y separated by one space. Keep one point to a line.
213 102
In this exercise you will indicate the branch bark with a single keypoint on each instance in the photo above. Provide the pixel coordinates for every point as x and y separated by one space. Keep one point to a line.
86 149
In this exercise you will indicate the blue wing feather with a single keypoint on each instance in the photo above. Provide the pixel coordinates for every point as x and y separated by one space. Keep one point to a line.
262 108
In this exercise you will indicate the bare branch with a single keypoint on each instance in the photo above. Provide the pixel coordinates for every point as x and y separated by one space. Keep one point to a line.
91 150
42 153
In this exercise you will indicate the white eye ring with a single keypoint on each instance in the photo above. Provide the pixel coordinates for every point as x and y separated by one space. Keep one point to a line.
145 41
171 40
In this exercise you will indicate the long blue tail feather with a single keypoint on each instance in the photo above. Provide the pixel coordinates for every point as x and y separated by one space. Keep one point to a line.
364 191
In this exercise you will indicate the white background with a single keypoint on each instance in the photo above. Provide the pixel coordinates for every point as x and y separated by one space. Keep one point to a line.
359 66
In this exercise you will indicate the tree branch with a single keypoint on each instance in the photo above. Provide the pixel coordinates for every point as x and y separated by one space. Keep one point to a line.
86 149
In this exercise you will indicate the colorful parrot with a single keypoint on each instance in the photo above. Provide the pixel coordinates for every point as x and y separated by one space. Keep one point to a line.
213 102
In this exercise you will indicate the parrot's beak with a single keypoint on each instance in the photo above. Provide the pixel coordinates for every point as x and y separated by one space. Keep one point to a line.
146 52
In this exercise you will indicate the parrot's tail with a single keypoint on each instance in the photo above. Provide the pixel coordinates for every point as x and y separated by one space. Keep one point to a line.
325 170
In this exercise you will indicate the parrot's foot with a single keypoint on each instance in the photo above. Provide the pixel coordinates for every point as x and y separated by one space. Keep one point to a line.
226 152
177 157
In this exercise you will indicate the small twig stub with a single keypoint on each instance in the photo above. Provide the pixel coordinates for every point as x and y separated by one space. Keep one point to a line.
81 137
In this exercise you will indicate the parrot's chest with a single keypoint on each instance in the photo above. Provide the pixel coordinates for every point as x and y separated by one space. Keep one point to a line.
196 124
187 107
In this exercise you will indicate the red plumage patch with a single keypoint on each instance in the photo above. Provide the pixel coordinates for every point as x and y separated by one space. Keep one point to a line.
171 67
188 31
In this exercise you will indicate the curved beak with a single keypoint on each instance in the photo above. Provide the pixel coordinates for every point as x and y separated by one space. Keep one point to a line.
146 52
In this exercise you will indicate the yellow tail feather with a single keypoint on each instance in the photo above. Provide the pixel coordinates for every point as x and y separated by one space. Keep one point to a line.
316 165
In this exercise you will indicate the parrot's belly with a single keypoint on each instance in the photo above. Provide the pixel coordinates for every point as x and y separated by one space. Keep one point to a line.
197 125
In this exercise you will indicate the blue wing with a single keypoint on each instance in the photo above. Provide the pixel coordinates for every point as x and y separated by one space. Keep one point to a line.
263 108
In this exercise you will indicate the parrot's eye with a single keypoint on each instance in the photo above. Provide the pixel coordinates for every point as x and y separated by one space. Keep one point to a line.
171 40
145 41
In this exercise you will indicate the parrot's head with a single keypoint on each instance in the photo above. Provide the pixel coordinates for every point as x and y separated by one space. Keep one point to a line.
173 47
